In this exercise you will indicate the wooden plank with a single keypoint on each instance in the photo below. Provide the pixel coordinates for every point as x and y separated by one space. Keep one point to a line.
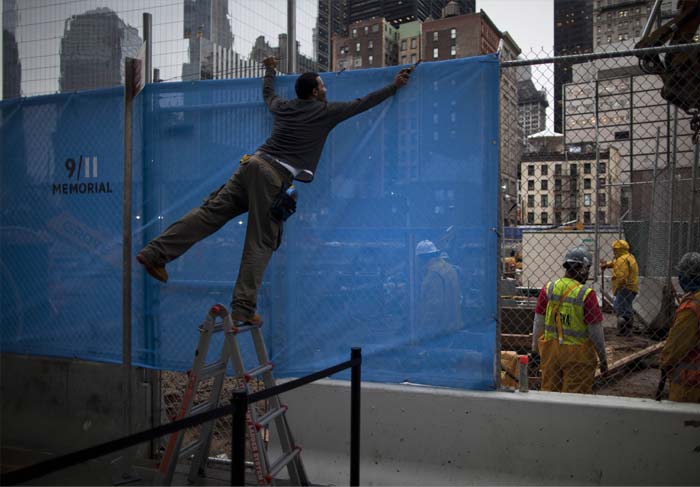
619 364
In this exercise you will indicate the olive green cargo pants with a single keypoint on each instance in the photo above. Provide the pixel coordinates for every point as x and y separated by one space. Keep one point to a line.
253 188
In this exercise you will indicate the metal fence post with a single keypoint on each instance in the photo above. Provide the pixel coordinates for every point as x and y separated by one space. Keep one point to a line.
240 407
355 390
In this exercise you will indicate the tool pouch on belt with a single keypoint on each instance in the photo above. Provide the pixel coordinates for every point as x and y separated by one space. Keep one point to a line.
285 204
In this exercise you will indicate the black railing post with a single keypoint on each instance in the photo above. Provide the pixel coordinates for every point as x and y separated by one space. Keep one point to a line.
355 380
240 408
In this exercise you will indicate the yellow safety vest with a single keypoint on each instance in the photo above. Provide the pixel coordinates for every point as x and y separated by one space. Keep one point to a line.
565 297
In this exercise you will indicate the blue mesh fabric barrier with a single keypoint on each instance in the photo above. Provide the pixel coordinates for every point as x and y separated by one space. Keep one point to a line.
421 165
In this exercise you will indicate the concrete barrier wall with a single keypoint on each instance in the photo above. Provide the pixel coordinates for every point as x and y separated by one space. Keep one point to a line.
424 436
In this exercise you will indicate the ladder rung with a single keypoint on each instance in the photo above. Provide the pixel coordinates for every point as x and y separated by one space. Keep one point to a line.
257 371
212 370
189 449
270 416
240 329
281 463
216 329
200 408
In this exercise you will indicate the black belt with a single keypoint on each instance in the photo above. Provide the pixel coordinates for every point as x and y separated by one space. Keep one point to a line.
274 163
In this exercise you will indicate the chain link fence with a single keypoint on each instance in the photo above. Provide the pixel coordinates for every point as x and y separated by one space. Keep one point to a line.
622 166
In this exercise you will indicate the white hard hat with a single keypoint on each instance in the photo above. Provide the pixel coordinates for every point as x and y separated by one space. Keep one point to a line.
425 247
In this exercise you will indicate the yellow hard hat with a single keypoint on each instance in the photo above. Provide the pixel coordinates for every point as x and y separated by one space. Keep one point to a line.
620 245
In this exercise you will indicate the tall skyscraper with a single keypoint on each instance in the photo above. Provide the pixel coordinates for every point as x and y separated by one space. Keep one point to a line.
332 20
573 34
206 25
398 12
12 68
93 49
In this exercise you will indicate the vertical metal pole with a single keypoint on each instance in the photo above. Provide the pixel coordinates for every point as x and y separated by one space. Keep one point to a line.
291 36
693 192
650 237
148 39
126 229
238 427
355 402
596 243
672 180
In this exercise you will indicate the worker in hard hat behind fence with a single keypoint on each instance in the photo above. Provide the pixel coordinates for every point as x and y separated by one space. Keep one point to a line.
625 284
680 358
439 304
568 330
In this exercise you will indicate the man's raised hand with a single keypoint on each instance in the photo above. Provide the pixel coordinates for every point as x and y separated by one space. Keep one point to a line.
270 62
402 77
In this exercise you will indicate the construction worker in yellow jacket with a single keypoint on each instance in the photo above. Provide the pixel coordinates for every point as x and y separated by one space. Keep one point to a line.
439 304
680 358
568 331
625 284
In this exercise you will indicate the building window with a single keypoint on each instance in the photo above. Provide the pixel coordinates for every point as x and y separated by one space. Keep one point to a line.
414 43
403 59
544 203
371 59
601 183
587 168
587 183
453 33
601 168
623 135
544 170
557 169
403 45
557 217
435 53
544 218
601 217
357 47
358 62
413 58
366 29
354 33
601 199
531 201
557 201
435 36
586 199
573 216
531 170
370 44
453 51
531 185
531 217
544 185
587 217
375 28
557 184
573 170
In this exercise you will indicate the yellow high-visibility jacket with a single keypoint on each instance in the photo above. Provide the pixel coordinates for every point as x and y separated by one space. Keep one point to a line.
625 271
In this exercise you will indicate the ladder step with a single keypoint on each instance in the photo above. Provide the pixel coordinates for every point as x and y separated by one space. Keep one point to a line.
281 463
200 408
270 416
240 329
190 449
212 370
258 371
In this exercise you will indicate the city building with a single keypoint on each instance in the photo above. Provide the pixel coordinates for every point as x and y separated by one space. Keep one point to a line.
11 65
398 12
532 104
459 36
410 43
575 185
618 20
206 25
370 44
573 34
93 49
332 20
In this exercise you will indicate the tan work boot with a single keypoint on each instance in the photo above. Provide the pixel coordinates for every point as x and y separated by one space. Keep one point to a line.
158 273
256 319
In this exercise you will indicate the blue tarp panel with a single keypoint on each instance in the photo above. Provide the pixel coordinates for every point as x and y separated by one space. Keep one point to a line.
421 165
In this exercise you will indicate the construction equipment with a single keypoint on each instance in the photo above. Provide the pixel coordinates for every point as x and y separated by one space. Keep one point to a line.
679 69
218 320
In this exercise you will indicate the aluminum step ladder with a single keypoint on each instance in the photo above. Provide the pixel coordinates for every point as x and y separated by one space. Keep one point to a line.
218 320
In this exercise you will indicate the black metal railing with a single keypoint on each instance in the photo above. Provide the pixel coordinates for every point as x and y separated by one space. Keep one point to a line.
237 409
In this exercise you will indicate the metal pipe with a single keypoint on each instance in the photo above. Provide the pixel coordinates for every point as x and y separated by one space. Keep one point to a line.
580 58
671 176
596 243
653 197
355 405
291 36
652 17
238 427
693 193
148 40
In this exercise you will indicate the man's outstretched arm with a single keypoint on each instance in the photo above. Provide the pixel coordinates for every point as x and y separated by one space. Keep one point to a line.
269 95
343 110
